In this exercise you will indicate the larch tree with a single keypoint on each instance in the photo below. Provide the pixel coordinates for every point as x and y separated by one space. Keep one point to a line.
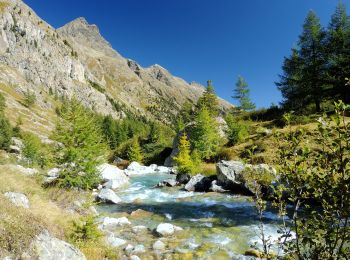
241 93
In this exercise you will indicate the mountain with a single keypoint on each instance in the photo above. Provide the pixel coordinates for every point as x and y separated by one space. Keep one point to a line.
75 60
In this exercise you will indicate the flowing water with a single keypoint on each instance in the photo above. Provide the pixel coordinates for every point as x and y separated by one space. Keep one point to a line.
211 221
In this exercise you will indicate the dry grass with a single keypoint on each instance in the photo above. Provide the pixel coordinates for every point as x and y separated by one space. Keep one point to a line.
3 6
208 169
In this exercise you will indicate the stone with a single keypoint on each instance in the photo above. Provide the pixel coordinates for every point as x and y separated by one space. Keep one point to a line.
158 245
26 171
216 188
136 169
183 178
114 177
128 249
167 229
167 183
135 257
114 241
54 172
138 249
108 222
108 196
198 183
139 229
163 169
140 213
47 247
18 199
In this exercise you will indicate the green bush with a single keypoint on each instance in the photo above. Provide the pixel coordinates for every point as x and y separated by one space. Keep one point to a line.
237 131
29 99
32 148
85 229
5 133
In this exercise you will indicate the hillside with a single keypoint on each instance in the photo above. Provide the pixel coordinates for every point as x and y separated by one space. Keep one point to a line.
76 60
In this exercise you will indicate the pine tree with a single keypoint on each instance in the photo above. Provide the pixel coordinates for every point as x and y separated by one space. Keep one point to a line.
304 78
5 127
183 159
241 93
81 147
209 100
206 137
338 50
135 152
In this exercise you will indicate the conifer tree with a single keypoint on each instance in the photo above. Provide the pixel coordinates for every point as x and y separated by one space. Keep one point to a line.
135 152
206 139
183 159
209 100
338 50
81 147
241 93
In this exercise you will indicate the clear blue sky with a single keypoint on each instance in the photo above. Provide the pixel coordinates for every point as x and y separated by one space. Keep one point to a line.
200 39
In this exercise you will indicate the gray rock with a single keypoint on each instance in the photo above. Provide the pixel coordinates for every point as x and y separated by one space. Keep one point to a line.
138 229
216 188
114 241
113 176
167 229
158 245
18 199
167 183
138 249
47 247
108 222
198 183
108 196
135 257
183 178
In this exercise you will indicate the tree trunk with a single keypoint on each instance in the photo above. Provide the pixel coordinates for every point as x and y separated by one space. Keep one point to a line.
318 105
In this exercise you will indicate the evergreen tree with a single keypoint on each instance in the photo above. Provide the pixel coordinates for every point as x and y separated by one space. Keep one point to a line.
209 100
5 127
135 152
338 48
304 78
241 93
183 159
206 139
82 147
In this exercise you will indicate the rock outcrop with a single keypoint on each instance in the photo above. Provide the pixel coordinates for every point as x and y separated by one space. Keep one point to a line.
47 247
108 196
113 176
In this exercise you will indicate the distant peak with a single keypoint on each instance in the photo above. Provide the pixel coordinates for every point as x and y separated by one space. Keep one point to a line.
80 20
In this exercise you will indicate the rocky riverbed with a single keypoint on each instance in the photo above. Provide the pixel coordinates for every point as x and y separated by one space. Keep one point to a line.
194 225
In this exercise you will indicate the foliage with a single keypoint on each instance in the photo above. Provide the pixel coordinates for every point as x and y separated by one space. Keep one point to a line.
29 99
209 100
82 146
85 229
2 103
316 183
183 159
135 152
206 139
33 150
241 93
237 131
5 127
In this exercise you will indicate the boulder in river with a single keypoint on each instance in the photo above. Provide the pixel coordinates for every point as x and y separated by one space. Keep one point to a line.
135 169
183 178
230 175
18 199
108 196
216 188
114 177
167 183
167 229
47 247
198 183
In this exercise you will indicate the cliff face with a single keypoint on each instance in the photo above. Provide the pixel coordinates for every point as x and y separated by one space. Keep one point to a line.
76 60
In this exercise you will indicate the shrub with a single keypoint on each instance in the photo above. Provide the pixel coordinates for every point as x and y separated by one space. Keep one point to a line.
29 99
5 133
85 229
237 131
32 149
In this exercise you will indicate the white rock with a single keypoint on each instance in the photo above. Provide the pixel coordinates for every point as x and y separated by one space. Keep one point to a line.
139 249
176 228
129 248
114 177
18 199
54 172
165 229
138 229
47 247
136 169
163 169
135 257
114 241
158 245
113 222
25 171
108 196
